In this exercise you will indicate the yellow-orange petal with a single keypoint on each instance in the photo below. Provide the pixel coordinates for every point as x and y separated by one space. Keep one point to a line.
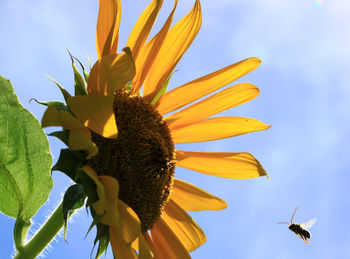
96 112
192 198
108 23
177 41
149 242
131 226
216 128
145 251
135 244
228 165
111 73
226 99
166 243
149 52
142 28
107 190
121 250
184 227
202 86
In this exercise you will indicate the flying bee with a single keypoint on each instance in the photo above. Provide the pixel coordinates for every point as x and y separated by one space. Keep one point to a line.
300 230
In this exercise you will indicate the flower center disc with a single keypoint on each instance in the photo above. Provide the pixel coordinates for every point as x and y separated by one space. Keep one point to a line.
141 158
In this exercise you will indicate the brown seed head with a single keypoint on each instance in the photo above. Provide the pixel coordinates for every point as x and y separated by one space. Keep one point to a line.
141 158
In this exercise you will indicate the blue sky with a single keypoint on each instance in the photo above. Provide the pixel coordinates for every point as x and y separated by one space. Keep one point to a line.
305 95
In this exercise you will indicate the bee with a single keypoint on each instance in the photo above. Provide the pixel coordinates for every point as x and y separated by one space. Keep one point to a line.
301 230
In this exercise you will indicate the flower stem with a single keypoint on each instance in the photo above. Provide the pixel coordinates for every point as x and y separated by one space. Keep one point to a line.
43 237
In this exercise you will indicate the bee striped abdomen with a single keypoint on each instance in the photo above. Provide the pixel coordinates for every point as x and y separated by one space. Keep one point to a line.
303 233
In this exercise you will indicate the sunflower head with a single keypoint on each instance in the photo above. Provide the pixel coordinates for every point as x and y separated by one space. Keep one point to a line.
121 145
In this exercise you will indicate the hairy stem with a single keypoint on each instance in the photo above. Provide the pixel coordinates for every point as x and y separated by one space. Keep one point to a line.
43 237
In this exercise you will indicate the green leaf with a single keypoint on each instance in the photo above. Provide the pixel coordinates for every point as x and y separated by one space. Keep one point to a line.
73 199
25 159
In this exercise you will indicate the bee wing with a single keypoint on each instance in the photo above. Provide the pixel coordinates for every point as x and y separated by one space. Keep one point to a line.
308 224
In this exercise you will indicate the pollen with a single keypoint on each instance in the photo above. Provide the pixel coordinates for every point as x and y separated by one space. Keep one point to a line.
141 158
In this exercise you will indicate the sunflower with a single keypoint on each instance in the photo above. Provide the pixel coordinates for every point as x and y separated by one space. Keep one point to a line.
119 123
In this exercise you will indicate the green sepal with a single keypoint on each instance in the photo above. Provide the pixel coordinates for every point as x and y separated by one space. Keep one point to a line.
102 237
79 81
102 247
85 73
129 86
61 135
90 66
102 231
86 76
73 199
95 222
58 105
89 185
162 90
64 92
68 163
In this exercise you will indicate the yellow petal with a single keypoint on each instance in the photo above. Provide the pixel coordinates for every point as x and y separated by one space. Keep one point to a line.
192 198
142 28
145 251
177 41
96 112
202 86
121 250
100 205
107 190
166 243
79 135
149 52
184 227
111 186
216 128
79 140
131 226
111 73
53 117
228 165
108 23
226 99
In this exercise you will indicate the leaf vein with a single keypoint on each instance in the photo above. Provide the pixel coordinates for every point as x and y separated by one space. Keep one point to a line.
18 193
7 125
